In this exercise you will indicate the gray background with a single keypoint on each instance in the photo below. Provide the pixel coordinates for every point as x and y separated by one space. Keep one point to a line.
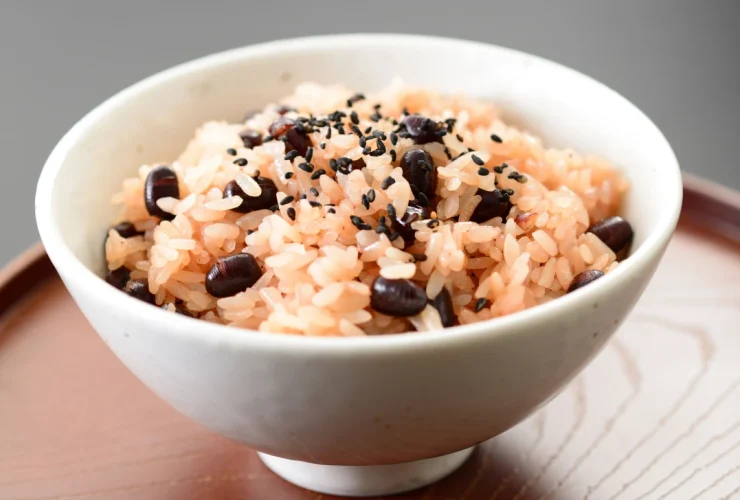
677 60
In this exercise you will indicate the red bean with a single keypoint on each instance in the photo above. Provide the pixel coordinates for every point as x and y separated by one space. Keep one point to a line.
400 298
443 304
139 289
293 132
584 278
250 138
402 225
233 274
494 203
418 170
266 198
616 233
127 230
118 277
160 183
421 129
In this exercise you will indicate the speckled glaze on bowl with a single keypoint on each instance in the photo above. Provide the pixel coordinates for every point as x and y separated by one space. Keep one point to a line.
355 403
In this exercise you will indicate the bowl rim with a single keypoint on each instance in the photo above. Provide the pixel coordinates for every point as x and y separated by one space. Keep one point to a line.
209 333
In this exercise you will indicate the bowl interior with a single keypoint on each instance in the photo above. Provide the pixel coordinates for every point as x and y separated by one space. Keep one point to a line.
152 121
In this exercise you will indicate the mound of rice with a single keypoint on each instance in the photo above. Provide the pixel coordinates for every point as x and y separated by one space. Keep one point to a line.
318 269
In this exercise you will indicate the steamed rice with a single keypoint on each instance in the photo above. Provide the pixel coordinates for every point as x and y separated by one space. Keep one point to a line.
318 266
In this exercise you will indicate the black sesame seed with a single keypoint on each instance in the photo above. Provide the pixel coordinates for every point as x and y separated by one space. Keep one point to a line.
387 182
432 224
291 213
508 192
365 202
405 111
355 220
483 171
496 138
309 154
447 153
480 304
306 167
365 227
470 150
314 204
356 130
231 151
379 134
368 129
328 132
317 174
477 160
233 274
459 137
288 175
393 155
366 150
375 117
363 142
391 211
291 155
249 231
240 161
322 145
315 191
274 208
394 138
371 195
331 211
354 99
333 164
422 199
287 199
500 169
380 229
303 196
355 119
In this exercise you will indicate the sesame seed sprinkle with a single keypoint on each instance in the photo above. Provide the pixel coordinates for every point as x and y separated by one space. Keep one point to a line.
240 161
356 130
371 195
231 151
496 138
459 137
483 171
315 191
480 304
333 164
274 208
309 154
316 175
394 138
365 227
314 204
287 199
331 211
477 160
322 145
288 175
391 211
306 167
387 182
368 129
365 202
393 155
291 155
355 119
432 224
291 213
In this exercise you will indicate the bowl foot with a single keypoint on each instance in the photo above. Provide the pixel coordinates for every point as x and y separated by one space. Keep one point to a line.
366 480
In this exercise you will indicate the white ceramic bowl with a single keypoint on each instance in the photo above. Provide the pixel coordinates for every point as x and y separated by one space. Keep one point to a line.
372 401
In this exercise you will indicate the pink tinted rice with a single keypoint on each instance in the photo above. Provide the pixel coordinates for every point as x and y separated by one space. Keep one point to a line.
318 269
